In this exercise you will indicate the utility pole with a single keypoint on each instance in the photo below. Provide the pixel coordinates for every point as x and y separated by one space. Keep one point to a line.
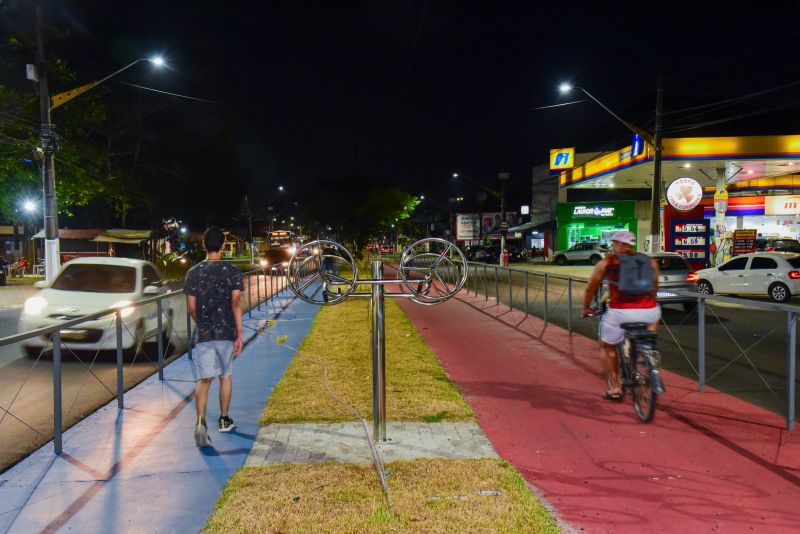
503 177
48 138
655 204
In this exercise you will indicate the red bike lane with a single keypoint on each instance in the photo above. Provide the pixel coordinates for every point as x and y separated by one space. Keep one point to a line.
707 463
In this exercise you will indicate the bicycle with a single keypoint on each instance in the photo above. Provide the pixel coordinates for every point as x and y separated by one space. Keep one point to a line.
640 374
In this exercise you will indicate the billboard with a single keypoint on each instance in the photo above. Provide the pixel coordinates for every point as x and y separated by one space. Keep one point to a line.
782 205
491 222
562 159
468 226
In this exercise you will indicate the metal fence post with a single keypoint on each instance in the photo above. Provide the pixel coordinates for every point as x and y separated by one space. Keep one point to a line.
485 284
378 355
249 300
189 333
496 286
526 293
57 443
510 294
545 299
120 386
701 343
258 291
160 334
569 304
791 368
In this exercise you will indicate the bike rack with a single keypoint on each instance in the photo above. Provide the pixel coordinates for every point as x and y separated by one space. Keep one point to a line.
324 272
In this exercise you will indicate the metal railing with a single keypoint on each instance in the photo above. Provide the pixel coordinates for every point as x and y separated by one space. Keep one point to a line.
21 401
753 354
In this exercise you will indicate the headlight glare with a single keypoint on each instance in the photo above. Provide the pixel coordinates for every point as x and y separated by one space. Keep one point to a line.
124 307
34 305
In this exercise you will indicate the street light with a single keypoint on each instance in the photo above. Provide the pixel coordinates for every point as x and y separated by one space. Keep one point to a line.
655 142
49 140
29 206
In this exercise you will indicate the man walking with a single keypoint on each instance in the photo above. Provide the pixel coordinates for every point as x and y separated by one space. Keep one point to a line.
213 297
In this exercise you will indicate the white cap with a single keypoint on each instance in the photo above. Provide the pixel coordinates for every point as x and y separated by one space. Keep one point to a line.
624 236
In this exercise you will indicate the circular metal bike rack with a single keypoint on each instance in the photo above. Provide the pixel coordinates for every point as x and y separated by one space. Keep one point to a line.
430 272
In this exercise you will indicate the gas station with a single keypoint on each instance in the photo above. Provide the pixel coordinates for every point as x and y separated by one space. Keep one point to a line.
713 186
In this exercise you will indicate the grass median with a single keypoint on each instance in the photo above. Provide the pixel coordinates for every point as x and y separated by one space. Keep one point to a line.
427 496
417 388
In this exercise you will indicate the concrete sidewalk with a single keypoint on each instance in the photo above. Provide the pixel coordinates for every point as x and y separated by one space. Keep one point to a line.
707 463
139 470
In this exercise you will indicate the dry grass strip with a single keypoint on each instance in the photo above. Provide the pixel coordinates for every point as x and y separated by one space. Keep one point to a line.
428 496
417 388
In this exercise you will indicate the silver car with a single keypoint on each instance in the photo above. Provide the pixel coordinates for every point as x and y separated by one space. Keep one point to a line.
592 252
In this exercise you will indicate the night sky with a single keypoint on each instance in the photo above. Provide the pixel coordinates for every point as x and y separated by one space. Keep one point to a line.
408 92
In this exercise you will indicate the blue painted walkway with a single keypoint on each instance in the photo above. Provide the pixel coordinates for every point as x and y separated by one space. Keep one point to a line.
139 470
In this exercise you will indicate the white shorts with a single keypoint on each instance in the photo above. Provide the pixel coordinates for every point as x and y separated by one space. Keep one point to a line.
213 359
611 331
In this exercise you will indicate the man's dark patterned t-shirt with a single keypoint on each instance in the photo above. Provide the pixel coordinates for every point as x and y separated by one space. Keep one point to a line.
212 282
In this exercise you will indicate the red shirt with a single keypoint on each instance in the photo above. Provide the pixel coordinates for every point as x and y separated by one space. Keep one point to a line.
623 300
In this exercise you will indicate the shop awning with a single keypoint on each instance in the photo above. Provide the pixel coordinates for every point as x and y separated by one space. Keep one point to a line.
524 227
116 235
109 239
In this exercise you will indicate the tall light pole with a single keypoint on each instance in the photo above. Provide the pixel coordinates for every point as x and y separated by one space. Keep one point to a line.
501 196
49 142
655 142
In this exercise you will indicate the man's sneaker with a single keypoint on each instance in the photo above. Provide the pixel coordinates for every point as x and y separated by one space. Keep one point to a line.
201 437
226 424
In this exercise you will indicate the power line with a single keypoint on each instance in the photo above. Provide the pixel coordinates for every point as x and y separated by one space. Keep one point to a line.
170 94
734 99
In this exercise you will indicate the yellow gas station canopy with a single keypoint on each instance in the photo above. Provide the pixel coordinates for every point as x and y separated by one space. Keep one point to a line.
764 160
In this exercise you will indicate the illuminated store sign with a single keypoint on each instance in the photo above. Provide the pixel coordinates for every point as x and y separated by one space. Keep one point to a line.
593 211
684 194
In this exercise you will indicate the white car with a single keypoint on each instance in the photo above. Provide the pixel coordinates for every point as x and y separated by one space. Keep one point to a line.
591 251
88 285
776 274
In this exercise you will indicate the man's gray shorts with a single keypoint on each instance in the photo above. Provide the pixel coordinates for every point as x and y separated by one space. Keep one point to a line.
213 359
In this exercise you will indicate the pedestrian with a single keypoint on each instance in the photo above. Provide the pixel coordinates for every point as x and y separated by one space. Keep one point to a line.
213 299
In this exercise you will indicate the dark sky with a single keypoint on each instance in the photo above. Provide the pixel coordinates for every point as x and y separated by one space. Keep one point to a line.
410 91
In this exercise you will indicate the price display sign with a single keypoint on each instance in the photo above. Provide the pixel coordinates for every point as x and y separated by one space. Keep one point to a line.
692 239
744 241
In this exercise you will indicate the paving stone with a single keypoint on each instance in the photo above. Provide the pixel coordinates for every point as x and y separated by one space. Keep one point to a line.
346 443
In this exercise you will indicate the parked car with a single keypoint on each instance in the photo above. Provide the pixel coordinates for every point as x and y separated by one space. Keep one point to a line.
491 254
592 252
675 275
775 274
88 285
777 244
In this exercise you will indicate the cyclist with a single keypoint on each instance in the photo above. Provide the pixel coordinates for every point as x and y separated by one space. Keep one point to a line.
622 307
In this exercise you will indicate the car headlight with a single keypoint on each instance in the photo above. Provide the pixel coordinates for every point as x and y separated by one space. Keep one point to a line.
292 250
263 262
34 306
285 264
124 307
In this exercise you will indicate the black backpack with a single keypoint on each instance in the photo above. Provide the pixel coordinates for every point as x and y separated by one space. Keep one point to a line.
635 274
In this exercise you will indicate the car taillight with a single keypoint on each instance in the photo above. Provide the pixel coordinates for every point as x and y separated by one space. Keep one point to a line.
770 249
692 277
794 275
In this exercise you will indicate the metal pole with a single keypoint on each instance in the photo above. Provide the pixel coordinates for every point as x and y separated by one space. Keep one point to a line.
258 290
791 368
655 205
545 300
569 304
526 293
189 334
249 301
48 139
485 284
510 294
378 355
496 286
120 386
160 334
701 343
57 443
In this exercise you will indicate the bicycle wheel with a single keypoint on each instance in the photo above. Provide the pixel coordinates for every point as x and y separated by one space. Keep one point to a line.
644 397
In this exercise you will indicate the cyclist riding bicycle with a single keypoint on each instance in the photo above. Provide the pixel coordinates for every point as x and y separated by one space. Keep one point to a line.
633 283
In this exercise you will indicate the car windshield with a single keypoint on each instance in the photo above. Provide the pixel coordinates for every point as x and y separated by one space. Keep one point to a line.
671 263
97 278
787 243
794 262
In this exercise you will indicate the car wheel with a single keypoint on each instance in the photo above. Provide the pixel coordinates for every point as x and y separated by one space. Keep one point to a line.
779 292
704 287
33 352
595 259
138 340
561 260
